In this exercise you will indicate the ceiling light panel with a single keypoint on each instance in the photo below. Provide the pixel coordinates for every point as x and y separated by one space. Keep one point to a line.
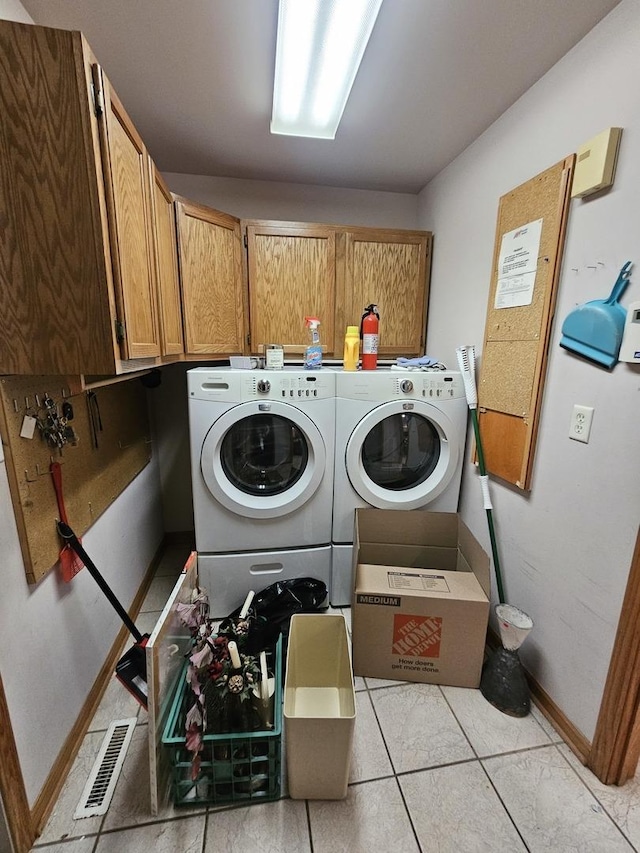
318 52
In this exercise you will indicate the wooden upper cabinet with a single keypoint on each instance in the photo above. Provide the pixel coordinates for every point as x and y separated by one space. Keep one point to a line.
291 270
169 302
213 290
128 192
333 272
390 269
77 261
56 312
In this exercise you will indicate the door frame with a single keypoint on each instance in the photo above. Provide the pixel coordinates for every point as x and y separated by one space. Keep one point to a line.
615 749
12 789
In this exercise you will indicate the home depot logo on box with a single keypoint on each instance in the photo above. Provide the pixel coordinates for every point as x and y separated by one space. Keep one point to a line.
417 636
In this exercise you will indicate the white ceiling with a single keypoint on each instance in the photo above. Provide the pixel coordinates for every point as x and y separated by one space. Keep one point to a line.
196 78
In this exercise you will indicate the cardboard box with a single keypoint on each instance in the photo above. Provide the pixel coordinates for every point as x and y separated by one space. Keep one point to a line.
319 707
421 597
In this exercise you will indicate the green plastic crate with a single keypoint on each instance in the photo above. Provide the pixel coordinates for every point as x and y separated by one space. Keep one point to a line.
235 767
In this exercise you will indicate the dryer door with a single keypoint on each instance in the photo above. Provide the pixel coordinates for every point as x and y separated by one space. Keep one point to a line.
263 459
402 455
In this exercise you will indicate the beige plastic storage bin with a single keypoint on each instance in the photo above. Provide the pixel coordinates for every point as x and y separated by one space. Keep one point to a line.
319 707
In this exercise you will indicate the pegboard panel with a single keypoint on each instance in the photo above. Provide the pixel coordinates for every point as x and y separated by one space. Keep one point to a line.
516 338
113 446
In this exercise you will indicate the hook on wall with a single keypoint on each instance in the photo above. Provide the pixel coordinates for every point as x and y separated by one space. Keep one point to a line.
593 266
40 473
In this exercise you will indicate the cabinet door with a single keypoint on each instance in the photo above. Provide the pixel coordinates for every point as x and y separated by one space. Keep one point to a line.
210 257
129 208
55 310
291 269
390 269
164 226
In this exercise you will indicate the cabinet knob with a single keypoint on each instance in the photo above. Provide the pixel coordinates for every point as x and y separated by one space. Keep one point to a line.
263 386
406 386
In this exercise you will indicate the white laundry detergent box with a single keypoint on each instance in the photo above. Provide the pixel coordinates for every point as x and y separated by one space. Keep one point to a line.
421 597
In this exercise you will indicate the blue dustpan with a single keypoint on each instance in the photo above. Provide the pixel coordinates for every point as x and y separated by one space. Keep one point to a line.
594 330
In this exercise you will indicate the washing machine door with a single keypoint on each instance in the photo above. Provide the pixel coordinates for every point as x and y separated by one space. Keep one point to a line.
263 459
402 455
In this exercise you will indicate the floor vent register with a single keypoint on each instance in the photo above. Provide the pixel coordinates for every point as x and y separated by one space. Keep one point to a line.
102 780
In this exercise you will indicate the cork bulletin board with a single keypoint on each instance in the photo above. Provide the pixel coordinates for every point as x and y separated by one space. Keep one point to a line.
113 446
516 339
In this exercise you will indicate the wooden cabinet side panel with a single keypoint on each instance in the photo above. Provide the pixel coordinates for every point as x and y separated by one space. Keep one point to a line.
170 310
129 196
393 275
290 277
211 275
54 304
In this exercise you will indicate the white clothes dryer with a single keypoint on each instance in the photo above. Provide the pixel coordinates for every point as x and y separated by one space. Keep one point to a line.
262 445
400 439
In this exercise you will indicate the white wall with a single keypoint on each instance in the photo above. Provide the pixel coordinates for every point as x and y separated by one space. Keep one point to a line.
54 636
298 202
566 548
13 10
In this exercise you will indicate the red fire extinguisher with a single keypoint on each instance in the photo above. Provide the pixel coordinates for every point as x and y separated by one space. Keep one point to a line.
369 327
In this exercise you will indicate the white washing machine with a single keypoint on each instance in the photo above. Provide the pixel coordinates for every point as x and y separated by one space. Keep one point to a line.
262 445
400 440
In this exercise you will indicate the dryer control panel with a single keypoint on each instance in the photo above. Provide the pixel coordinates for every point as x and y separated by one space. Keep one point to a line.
380 385
442 386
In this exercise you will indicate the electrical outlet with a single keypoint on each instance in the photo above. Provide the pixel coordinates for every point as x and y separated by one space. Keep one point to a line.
580 426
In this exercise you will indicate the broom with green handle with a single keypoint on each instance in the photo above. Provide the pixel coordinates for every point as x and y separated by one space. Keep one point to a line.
467 363
503 682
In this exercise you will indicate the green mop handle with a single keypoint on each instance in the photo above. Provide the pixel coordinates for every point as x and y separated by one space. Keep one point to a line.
466 363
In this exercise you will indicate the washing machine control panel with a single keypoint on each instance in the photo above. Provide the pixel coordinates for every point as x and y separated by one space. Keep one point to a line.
230 386
290 386
303 386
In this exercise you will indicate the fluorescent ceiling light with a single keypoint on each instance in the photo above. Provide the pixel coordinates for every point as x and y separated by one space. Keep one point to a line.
319 49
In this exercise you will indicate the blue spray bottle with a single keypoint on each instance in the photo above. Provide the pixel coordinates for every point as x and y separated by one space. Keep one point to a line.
313 353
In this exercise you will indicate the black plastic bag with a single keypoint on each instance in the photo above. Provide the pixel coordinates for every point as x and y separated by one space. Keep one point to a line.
273 607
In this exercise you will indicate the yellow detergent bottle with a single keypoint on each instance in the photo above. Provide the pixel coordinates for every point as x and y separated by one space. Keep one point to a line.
351 348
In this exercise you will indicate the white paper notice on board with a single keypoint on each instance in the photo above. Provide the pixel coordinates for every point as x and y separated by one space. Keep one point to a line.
515 290
517 265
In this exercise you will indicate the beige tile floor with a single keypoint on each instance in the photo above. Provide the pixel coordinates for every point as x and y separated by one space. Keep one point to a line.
434 769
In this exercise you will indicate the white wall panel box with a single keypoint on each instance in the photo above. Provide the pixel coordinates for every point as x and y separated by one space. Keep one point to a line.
421 599
319 707
596 162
